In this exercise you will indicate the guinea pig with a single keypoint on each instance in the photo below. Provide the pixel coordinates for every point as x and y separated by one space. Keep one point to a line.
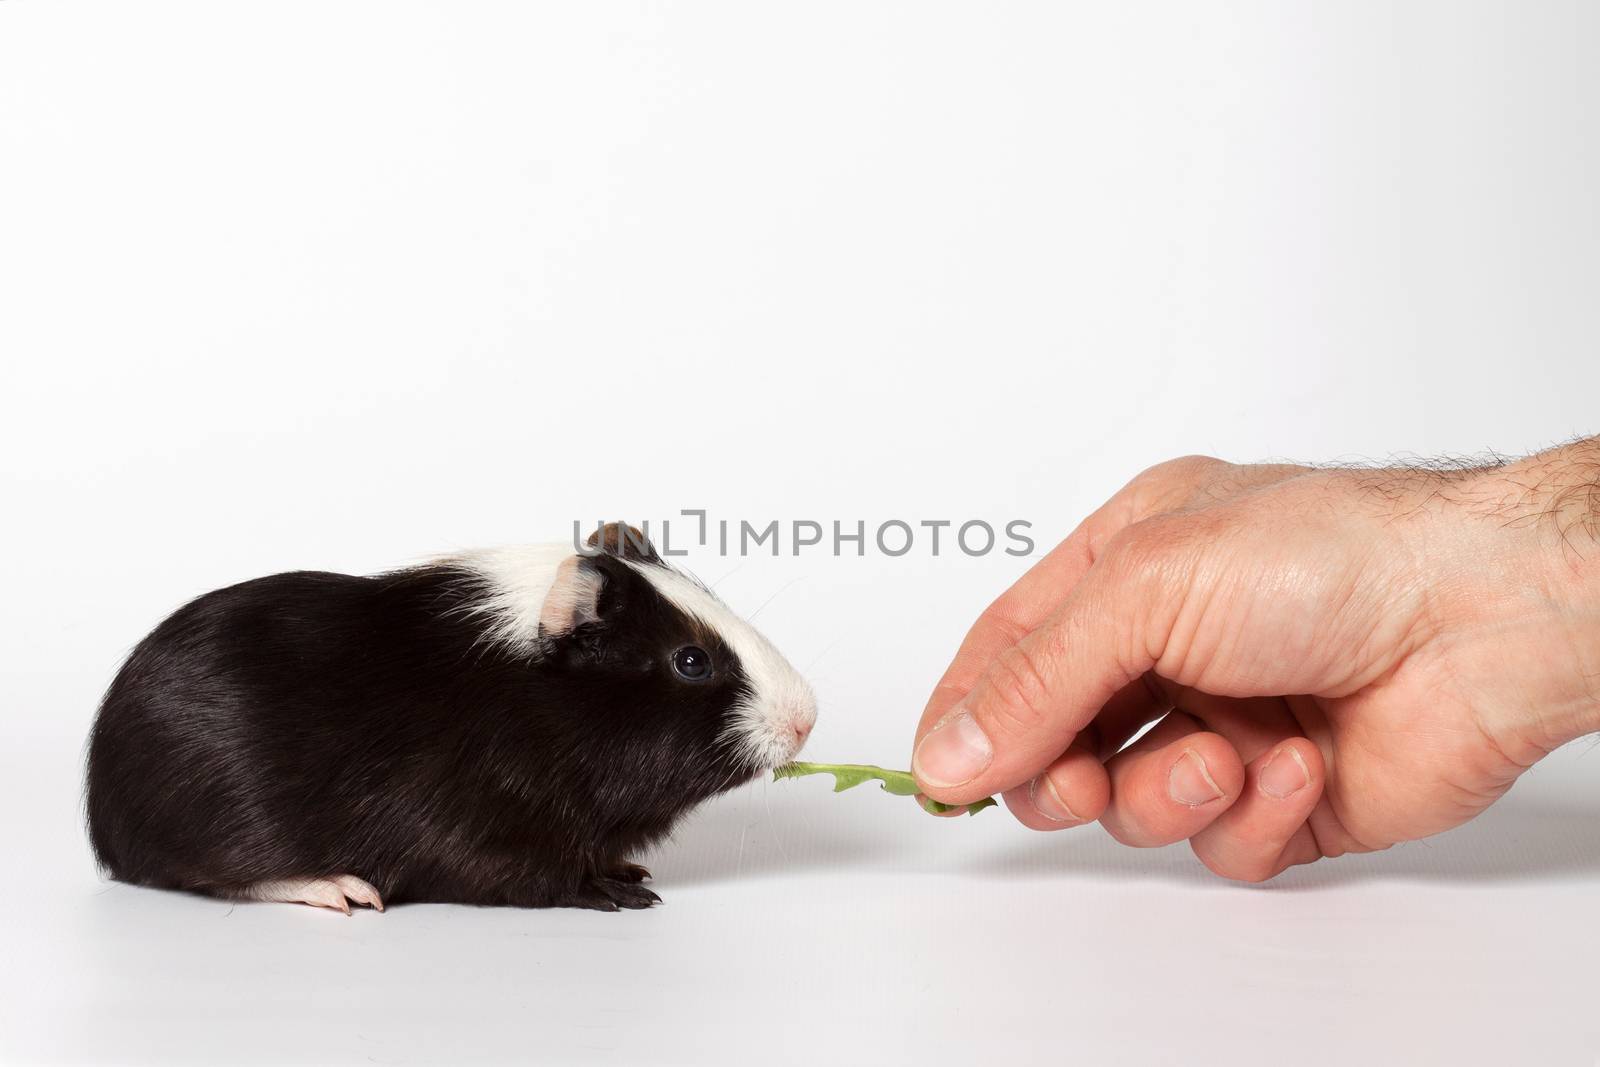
506 727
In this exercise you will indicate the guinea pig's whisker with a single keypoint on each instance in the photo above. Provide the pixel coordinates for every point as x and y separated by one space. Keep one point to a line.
784 589
777 838
737 568
738 866
818 657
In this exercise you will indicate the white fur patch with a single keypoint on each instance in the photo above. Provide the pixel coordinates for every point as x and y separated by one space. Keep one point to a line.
770 725
517 582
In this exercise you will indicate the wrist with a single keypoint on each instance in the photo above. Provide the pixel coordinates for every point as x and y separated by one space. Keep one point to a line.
1575 596
1535 547
1583 623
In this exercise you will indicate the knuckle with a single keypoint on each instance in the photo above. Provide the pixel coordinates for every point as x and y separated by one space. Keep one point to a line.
1172 481
1185 468
1164 549
1142 550
1129 551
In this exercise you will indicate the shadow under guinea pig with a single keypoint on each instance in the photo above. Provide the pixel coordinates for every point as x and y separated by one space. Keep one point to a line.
753 833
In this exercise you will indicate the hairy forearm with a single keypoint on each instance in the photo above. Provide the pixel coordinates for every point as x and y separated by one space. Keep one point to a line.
1555 493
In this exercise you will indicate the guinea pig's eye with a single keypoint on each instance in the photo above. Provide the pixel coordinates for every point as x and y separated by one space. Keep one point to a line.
693 664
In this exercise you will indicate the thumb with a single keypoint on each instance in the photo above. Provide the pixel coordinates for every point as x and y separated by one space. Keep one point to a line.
1038 693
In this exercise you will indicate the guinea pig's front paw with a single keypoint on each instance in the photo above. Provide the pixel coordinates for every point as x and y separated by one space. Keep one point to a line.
608 893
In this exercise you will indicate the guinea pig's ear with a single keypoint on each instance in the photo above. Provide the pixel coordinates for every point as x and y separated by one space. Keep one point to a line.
574 597
619 539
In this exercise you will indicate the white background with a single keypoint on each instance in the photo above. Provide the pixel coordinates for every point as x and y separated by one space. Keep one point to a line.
337 285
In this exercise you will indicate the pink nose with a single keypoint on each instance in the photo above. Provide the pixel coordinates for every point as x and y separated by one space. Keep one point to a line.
802 730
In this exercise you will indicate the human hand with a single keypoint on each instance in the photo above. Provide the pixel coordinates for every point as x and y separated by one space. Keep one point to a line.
1338 659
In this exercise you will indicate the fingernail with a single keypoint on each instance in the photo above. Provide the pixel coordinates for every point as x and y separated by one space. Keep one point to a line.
1190 783
955 752
1284 775
1047 802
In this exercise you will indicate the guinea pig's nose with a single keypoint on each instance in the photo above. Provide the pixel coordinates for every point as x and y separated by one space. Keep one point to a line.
802 730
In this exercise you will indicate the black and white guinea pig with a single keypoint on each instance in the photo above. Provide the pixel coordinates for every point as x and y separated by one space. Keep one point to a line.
508 727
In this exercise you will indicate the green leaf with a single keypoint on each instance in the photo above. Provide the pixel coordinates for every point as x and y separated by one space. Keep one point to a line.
900 783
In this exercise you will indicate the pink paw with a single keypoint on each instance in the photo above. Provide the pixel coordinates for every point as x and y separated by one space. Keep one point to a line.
337 892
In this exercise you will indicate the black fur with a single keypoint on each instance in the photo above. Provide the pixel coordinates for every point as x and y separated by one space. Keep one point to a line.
311 724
